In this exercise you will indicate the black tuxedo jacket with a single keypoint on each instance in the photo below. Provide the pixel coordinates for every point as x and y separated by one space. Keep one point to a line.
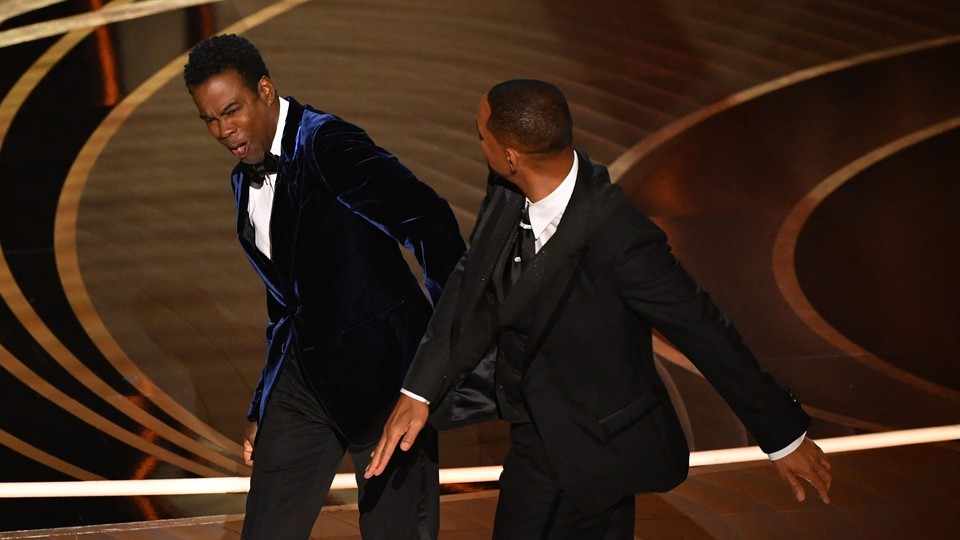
339 292
588 303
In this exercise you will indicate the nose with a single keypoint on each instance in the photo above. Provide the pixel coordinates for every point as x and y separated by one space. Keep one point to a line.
222 129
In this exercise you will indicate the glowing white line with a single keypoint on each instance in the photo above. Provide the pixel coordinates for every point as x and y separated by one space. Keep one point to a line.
196 486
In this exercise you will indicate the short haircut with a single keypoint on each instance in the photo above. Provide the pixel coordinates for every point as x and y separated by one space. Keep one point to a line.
530 115
220 53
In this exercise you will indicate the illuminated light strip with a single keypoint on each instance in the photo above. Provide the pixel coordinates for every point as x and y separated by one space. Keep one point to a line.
198 486
93 19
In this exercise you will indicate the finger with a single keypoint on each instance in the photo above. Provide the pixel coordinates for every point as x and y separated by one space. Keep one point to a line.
827 479
795 486
248 454
410 436
820 486
381 455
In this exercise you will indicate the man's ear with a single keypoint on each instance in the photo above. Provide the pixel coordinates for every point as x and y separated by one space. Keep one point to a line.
513 159
266 90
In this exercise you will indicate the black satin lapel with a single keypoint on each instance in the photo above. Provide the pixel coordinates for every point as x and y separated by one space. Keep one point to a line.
244 227
555 261
291 126
501 218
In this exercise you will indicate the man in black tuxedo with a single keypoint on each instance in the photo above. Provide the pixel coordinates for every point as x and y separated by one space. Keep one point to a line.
320 213
546 323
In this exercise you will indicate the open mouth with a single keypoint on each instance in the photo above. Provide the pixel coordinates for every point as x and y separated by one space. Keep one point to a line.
239 150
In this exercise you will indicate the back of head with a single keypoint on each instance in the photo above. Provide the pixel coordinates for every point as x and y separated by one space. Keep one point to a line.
531 116
221 53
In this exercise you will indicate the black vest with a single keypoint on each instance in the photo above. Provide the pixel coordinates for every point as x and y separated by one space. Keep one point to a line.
511 351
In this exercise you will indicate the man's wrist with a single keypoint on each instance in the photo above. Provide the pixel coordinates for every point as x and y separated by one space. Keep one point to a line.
788 449
410 394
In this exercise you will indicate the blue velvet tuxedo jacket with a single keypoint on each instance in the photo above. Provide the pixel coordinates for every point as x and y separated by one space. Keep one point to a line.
587 304
339 293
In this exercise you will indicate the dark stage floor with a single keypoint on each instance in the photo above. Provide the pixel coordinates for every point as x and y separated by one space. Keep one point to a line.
802 156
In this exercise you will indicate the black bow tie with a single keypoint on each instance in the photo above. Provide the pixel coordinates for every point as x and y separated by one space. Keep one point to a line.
259 171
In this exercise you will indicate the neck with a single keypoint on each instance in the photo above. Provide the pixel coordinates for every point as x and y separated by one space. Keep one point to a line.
542 176
275 113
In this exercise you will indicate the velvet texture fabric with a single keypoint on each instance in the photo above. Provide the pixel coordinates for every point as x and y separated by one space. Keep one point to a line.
338 288
588 303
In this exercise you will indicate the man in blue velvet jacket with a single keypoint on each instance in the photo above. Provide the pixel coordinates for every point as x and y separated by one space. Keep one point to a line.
320 213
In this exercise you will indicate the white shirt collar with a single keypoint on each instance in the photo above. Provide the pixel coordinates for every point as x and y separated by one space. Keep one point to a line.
275 147
547 209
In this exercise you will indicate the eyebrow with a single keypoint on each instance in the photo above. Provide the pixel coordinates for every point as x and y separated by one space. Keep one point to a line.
222 111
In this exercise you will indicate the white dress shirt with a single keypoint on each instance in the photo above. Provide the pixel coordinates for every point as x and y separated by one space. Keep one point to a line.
260 202
546 213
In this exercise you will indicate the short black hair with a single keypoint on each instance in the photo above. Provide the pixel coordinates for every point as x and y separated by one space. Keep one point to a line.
220 53
530 115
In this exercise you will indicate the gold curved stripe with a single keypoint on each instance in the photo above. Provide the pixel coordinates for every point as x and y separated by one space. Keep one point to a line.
65 244
19 370
43 458
31 321
784 267
659 138
14 8
620 166
113 12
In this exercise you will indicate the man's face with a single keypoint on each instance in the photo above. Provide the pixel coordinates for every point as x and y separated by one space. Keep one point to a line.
492 149
241 119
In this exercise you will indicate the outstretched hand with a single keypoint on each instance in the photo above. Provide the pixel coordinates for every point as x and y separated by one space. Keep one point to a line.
809 463
405 422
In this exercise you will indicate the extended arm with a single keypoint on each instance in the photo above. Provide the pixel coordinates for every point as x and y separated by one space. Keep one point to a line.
372 183
657 288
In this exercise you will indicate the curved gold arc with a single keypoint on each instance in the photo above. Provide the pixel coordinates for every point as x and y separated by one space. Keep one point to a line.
45 459
65 240
620 166
19 370
31 321
655 140
13 296
784 267
111 13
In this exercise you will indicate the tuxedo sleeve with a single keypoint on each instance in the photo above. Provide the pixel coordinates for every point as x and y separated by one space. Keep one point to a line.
433 371
657 288
373 183
429 376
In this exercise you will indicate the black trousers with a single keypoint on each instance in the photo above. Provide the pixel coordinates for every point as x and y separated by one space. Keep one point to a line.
533 506
296 456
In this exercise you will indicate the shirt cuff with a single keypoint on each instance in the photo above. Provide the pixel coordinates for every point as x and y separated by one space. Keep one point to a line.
408 393
787 450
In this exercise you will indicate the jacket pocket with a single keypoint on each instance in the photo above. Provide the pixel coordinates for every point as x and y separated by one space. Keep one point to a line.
627 416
